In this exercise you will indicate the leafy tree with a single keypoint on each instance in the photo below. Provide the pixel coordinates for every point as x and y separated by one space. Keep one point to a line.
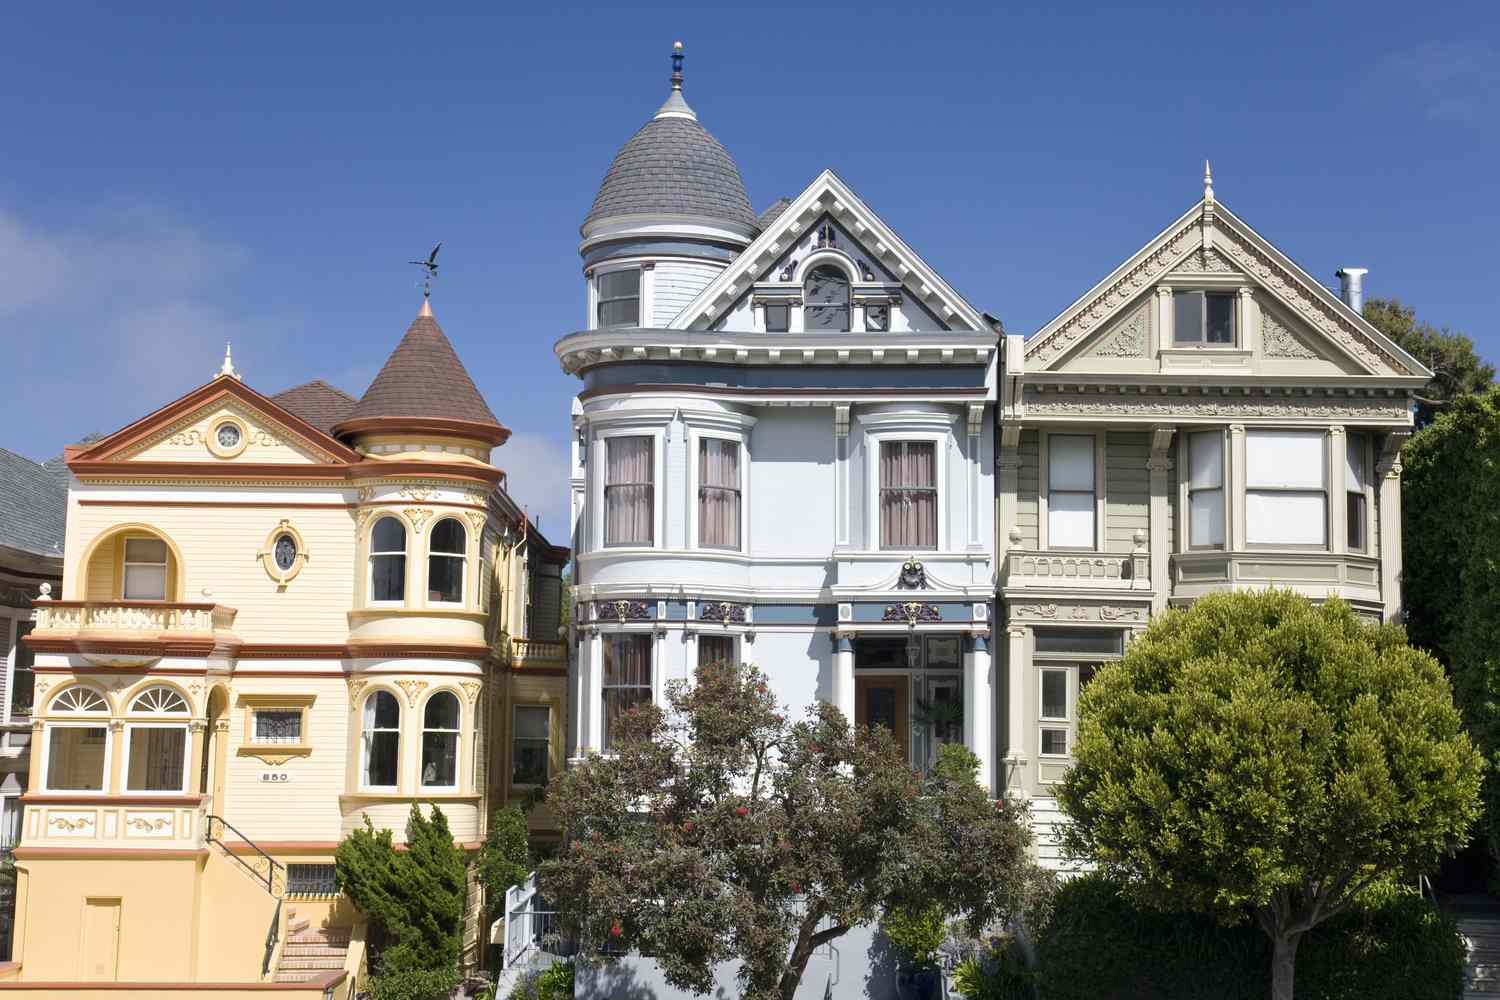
1258 755
1450 499
719 830
505 857
1456 368
414 898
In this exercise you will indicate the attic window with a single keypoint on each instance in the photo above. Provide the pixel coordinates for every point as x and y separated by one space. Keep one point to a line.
1203 318
826 299
877 317
619 298
778 318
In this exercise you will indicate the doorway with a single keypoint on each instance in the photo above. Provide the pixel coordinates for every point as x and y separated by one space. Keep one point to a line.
881 701
101 939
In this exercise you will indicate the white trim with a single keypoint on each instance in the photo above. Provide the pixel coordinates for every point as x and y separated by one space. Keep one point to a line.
694 436
363 758
1044 486
873 440
99 721
609 267
658 435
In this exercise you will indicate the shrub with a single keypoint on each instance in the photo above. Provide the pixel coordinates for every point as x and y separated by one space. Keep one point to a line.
553 983
414 984
916 933
504 859
997 974
1389 945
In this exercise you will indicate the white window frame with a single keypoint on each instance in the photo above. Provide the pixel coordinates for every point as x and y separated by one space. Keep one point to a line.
1237 337
912 427
654 686
1366 442
1185 472
1325 491
462 557
458 742
370 555
1044 486
131 728
643 316
253 738
513 737
1065 722
80 721
657 434
126 563
366 745
695 437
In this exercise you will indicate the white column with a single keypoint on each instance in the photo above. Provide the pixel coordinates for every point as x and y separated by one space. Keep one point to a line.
841 500
1164 317
843 674
1234 501
979 710
1244 319
1016 727
593 708
1159 464
1388 468
1338 510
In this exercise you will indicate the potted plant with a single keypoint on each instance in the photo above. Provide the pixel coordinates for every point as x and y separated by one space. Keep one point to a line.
916 934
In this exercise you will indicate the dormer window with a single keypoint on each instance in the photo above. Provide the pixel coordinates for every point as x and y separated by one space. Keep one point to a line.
619 294
826 299
1203 318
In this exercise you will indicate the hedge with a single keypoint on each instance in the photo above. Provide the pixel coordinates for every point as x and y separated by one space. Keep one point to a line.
1391 945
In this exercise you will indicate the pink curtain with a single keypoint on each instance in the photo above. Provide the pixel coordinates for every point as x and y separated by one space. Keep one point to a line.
628 516
627 677
719 493
908 494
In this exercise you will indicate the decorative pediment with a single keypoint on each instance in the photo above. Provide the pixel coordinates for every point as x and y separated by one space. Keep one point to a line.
1205 261
877 257
1278 339
1128 339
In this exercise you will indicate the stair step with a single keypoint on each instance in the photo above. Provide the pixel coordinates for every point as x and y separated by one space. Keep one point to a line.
319 964
313 950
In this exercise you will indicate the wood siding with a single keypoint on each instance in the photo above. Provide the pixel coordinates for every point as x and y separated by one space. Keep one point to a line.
1026 490
1127 489
678 282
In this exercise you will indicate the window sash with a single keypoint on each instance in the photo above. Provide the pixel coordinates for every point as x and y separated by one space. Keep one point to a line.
908 495
1054 742
156 758
619 298
1206 528
440 758
715 649
276 725
627 678
445 578
531 745
22 693
878 317
1072 499
718 493
1286 517
67 745
1203 318
778 317
629 491
1054 694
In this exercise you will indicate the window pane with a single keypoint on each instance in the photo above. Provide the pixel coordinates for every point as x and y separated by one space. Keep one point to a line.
156 759
1055 741
627 678
448 536
1070 520
388 578
1354 463
1054 694
381 749
145 583
1206 516
1355 516
146 550
445 579
826 300
778 319
533 721
529 764
1220 318
382 711
75 758
1079 640
23 678
1070 462
441 712
1286 459
1187 317
440 759
620 284
1206 459
628 496
944 652
715 649
389 536
877 317
278 725
1285 519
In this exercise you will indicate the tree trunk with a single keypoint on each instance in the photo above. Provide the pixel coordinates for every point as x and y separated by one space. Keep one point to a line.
796 964
1283 965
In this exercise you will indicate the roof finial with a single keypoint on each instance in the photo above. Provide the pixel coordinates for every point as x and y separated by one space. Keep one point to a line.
1208 181
227 368
676 65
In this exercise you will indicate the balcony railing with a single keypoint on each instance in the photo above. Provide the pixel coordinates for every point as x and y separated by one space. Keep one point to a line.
137 618
1113 570
538 653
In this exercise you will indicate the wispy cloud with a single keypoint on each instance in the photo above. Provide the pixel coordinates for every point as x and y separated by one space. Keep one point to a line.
1451 81
536 468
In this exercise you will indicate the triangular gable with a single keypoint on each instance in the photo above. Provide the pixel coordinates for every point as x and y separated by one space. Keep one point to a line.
828 196
1209 239
271 424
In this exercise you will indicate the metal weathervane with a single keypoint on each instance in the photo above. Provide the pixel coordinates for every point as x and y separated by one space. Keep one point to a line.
430 266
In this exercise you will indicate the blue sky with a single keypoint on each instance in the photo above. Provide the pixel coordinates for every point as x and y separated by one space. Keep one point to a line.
262 172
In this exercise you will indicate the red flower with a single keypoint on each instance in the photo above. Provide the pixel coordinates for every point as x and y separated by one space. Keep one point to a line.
796 886
687 826
741 811
615 930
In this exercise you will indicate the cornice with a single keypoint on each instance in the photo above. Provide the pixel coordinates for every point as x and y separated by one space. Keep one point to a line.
583 349
1154 404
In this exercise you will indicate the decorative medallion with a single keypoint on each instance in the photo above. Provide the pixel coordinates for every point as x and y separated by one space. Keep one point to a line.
365 494
1278 341
1205 261
622 611
474 499
911 612
722 611
418 493
913 575
472 689
1111 614
1038 610
418 517
477 519
361 516
413 690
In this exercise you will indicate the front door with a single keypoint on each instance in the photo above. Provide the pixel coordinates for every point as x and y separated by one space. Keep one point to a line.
881 701
101 939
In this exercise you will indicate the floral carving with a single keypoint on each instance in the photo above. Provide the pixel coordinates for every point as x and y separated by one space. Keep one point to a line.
71 825
1128 341
1038 404
477 519
471 689
622 611
1112 614
418 517
187 438
1278 341
1205 261
365 494
355 687
413 690
911 612
135 822
1038 610
722 611
418 493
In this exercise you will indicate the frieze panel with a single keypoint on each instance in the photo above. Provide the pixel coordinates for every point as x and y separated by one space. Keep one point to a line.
622 611
1050 612
1166 407
722 611
911 612
1205 261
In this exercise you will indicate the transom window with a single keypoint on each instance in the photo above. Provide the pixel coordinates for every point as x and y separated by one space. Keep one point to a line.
1203 317
440 722
627 678
1286 498
825 299
145 570
619 294
530 747
445 561
908 495
629 491
79 700
381 738
1206 490
159 700
1070 491
718 493
388 560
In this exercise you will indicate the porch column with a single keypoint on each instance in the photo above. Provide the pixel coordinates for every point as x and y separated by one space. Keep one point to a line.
1159 464
591 712
843 674
1234 502
1015 709
1388 469
1338 509
979 710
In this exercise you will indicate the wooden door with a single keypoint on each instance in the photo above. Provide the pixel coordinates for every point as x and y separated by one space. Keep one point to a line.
101 939
881 701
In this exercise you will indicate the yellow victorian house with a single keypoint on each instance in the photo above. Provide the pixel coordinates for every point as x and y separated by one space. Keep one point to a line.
279 615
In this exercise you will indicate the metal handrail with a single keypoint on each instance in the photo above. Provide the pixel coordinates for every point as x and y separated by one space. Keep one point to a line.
272 936
269 878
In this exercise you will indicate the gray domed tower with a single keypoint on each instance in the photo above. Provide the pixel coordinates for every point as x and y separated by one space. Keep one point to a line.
669 216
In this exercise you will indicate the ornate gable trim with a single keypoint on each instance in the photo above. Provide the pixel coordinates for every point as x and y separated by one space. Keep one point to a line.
829 195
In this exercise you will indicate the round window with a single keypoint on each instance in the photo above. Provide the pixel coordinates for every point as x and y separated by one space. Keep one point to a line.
228 435
285 552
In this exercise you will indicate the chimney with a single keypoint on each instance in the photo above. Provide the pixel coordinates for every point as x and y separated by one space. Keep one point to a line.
1352 286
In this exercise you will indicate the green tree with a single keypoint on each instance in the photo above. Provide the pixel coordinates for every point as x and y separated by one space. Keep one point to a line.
505 857
1456 368
1450 500
1260 756
414 898
720 830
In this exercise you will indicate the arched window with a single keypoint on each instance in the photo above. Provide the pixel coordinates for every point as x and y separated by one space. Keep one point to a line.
77 751
388 560
445 562
382 740
440 741
825 299
156 752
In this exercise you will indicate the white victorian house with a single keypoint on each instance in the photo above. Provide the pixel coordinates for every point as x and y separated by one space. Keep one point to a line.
1207 417
783 451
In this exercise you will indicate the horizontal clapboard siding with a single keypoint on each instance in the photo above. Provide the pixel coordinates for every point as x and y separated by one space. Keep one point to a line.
678 282
1026 490
1127 489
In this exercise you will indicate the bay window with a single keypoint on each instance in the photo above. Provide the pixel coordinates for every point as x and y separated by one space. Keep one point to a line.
718 493
1356 501
381 741
1286 496
908 495
77 746
1206 490
440 728
619 295
1070 491
629 491
627 678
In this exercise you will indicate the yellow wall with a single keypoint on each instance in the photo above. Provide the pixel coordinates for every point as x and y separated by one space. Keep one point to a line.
263 441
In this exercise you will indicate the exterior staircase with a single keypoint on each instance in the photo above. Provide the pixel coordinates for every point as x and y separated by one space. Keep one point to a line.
1479 925
310 951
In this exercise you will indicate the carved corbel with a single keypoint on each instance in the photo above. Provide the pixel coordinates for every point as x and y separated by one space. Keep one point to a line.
1388 463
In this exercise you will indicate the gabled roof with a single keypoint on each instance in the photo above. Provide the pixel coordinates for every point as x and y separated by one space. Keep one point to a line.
1209 227
423 381
828 194
33 504
317 402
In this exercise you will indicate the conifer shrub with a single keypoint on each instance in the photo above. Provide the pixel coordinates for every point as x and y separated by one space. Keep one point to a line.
505 858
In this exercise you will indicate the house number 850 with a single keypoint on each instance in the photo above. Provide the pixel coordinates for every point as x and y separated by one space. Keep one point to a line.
274 776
